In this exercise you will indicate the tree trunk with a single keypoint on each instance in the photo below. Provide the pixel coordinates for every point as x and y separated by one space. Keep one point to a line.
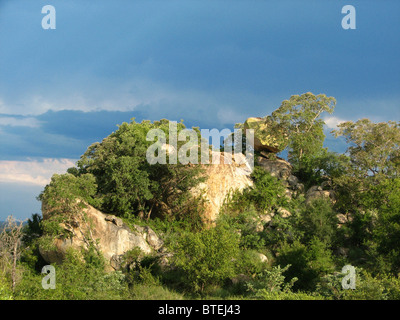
14 266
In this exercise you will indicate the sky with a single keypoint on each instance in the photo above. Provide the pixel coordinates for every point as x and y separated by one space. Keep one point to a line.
212 63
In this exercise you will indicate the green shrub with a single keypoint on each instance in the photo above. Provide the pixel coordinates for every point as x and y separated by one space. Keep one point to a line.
5 290
245 223
80 277
267 192
318 219
249 263
207 256
380 287
308 262
270 283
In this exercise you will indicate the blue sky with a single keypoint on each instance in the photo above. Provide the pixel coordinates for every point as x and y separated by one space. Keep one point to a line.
212 63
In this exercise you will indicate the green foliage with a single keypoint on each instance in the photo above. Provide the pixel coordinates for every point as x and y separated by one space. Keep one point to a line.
267 192
375 227
381 287
5 290
271 281
223 261
374 154
249 263
317 219
245 223
64 199
271 284
385 233
127 183
308 262
140 268
374 149
61 193
321 165
206 256
300 118
330 286
80 277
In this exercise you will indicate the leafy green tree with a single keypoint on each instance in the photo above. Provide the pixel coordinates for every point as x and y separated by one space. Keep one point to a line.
382 242
299 117
368 188
375 148
63 201
128 183
369 287
61 194
374 155
322 166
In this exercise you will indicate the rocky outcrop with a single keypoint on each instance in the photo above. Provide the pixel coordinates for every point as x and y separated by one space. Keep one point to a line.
282 170
265 139
232 173
278 168
111 237
317 192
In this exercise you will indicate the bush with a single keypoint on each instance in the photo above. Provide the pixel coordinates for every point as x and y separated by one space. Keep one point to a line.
245 223
381 287
271 282
80 277
267 192
318 219
206 257
308 262
5 290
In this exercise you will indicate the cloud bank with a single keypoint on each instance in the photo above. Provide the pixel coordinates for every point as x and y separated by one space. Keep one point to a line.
34 172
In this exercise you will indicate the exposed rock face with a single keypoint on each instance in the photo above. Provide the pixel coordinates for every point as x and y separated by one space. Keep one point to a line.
265 139
113 236
222 179
317 192
282 170
278 168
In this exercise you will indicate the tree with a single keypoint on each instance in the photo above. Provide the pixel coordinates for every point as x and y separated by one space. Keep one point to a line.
127 182
374 156
385 234
297 127
299 118
368 188
374 148
10 247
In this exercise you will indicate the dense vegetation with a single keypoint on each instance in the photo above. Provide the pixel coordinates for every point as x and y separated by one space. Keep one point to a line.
302 254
